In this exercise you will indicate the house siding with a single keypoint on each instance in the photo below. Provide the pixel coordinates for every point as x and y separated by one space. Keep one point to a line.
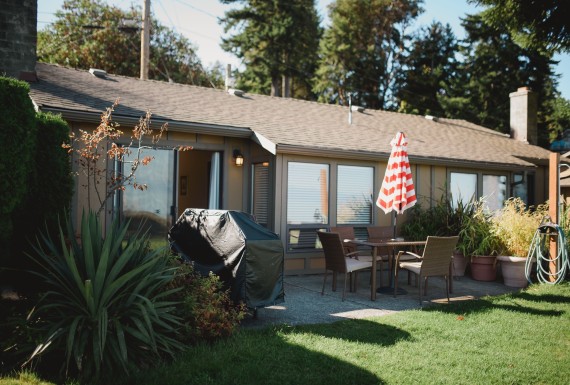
430 183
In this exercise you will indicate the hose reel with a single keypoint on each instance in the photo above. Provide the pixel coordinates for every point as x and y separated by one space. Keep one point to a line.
549 269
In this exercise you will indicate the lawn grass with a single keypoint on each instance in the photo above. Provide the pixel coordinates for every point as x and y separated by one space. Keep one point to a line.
521 338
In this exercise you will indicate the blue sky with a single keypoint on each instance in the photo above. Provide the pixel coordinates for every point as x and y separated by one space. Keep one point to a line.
197 20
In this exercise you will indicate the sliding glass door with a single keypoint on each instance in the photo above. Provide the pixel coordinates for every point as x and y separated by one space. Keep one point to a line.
152 207
174 181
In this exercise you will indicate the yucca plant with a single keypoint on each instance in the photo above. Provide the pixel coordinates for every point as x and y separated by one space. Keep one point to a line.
104 303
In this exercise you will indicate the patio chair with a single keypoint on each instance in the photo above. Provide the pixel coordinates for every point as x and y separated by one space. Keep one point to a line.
380 233
347 232
338 260
435 261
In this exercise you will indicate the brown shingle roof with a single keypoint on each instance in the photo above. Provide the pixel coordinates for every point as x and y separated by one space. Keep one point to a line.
290 124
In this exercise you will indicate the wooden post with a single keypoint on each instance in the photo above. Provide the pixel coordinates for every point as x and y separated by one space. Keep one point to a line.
553 205
145 40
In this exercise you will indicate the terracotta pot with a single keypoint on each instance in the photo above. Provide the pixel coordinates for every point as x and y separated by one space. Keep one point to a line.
459 263
513 270
484 267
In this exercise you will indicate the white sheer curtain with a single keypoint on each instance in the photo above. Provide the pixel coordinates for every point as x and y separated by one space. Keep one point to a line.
214 199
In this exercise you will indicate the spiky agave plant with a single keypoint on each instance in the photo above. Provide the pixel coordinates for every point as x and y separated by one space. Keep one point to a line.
103 304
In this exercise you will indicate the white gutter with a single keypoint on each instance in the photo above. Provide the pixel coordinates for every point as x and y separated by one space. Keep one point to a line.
264 142
199 128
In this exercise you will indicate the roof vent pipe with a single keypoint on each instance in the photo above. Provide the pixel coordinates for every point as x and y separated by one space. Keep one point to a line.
236 92
97 72
349 110
357 109
229 81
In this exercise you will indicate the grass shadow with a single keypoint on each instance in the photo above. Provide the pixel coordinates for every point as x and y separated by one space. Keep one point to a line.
498 302
358 330
544 298
236 361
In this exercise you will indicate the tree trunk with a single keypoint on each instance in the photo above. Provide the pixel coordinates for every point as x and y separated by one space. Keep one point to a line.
286 86
275 86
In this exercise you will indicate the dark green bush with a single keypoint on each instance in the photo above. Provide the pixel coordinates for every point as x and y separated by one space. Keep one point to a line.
445 218
16 335
49 192
17 145
206 310
104 309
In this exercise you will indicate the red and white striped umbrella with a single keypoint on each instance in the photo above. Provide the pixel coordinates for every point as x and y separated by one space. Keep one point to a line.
397 191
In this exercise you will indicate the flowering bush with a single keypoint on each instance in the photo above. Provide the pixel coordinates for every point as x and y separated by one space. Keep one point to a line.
95 150
207 311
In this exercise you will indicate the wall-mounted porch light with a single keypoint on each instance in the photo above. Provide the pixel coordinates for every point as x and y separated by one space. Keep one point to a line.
238 158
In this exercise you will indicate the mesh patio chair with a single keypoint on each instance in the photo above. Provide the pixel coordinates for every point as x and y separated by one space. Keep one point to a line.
380 233
435 261
347 232
338 260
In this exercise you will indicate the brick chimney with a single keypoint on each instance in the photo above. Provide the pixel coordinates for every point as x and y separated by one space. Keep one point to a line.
524 115
18 38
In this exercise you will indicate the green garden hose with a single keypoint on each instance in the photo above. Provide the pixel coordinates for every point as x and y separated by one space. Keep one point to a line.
539 252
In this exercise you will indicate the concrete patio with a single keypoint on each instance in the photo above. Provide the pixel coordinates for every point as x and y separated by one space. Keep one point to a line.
304 303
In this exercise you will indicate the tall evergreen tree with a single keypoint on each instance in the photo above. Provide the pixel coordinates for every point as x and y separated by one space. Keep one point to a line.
429 66
539 24
91 33
494 66
360 52
277 41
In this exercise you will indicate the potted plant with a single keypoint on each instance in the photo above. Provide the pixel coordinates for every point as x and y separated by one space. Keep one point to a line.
515 225
458 215
442 219
480 243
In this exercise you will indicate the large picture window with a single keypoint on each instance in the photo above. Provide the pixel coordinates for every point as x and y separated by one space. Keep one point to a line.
354 194
465 187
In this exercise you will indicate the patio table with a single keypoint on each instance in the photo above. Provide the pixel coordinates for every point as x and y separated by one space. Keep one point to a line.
375 245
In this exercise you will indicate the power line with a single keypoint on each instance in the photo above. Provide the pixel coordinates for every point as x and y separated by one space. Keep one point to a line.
197 9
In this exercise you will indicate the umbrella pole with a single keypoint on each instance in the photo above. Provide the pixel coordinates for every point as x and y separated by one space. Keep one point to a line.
394 223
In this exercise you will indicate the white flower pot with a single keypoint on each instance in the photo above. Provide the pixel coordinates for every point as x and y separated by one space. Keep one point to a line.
513 270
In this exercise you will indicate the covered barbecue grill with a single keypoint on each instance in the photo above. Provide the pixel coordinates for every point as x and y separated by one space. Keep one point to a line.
246 256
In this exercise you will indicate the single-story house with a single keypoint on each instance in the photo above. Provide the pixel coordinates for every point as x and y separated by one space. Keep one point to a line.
306 165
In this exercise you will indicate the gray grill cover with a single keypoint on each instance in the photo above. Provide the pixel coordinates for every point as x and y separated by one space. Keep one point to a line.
246 256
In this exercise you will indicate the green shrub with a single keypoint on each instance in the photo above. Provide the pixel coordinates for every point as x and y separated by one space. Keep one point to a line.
477 236
445 218
16 335
17 144
50 187
207 311
104 307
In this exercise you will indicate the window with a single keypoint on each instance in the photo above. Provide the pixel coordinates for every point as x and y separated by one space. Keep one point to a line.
523 187
307 193
494 191
354 194
261 193
307 204
463 187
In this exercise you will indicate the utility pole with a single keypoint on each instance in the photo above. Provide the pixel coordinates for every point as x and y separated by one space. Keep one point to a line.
145 39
